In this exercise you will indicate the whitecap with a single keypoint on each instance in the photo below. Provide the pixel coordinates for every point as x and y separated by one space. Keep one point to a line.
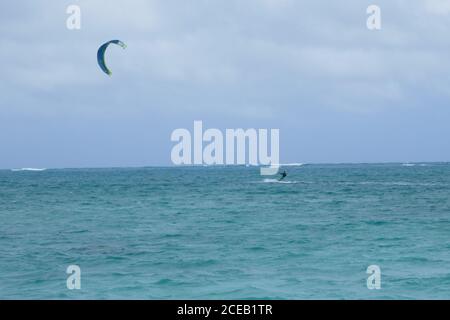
408 164
294 164
278 181
299 164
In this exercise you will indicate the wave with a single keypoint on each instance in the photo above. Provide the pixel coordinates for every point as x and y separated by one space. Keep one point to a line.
399 183
28 169
278 181
299 164
295 164
408 164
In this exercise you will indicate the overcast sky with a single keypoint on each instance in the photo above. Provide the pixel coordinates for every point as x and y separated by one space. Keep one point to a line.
337 91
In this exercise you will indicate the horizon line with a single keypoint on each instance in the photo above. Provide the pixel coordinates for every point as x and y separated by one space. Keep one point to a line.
298 164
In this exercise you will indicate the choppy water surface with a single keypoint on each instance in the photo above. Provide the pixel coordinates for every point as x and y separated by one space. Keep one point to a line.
213 233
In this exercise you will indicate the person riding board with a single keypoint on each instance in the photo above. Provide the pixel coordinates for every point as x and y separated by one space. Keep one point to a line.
283 175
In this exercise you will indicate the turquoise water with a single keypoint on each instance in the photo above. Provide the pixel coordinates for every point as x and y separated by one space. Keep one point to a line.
226 233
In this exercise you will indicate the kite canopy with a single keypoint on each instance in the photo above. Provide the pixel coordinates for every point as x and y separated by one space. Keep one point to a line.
101 54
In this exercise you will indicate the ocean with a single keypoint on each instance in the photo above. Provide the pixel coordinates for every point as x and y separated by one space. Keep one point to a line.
226 232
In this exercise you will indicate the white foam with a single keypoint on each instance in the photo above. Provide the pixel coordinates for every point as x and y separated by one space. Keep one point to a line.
29 169
278 181
294 164
408 164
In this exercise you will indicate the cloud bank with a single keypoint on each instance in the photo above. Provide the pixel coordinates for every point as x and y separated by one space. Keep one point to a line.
311 68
